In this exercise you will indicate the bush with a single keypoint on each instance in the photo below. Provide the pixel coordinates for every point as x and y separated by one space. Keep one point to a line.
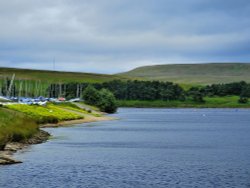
107 102
196 96
103 99
91 95
243 100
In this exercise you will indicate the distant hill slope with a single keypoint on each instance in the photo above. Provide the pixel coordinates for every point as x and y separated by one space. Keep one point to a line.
194 73
56 76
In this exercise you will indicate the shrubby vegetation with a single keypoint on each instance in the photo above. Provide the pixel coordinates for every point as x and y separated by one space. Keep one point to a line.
91 96
103 99
241 89
131 90
49 114
143 90
107 101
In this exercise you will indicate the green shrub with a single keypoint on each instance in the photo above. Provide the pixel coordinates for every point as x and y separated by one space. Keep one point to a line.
107 101
243 100
91 95
103 99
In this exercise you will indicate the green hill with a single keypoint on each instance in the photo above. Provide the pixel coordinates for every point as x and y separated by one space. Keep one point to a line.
56 76
199 74
188 74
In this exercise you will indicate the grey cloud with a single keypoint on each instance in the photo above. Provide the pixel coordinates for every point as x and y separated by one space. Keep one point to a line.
116 35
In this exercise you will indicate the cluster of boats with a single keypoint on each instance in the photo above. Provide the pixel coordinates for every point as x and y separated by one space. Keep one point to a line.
30 101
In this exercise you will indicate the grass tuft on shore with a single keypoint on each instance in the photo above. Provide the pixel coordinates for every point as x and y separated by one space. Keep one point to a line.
15 127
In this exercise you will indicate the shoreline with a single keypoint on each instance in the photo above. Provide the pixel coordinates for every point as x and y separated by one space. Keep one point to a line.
12 147
6 155
182 107
86 119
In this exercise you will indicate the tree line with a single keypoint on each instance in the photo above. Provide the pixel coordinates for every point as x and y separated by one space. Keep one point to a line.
129 90
241 89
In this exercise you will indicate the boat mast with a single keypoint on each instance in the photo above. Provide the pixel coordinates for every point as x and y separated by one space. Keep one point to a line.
11 84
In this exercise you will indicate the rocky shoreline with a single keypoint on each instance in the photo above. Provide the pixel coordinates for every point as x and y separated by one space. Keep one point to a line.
42 136
12 147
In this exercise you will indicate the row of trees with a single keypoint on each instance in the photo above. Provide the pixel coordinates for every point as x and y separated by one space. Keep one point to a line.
143 90
155 90
241 89
128 90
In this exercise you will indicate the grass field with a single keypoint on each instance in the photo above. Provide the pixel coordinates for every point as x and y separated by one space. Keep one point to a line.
193 74
187 75
211 102
56 76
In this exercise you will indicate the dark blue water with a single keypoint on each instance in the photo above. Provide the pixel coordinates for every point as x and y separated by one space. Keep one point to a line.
145 148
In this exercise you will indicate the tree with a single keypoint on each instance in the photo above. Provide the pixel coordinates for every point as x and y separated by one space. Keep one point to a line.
167 94
196 94
91 96
243 100
245 94
245 91
197 97
107 101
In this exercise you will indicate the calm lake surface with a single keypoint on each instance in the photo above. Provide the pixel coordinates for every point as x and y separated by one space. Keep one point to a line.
145 148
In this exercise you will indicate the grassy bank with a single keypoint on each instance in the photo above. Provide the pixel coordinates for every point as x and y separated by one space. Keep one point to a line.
211 102
19 122
15 126
47 114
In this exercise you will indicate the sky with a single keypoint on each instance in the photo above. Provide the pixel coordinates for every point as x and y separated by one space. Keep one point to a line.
111 36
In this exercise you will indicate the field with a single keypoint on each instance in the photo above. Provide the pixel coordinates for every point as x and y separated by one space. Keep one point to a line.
46 114
193 74
211 102
56 76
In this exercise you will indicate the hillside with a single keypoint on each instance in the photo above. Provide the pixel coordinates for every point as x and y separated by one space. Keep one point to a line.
56 76
194 73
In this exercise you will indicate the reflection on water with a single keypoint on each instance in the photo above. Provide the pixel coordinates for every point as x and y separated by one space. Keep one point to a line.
145 148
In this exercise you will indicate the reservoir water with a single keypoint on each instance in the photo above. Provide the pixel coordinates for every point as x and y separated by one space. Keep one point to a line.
144 148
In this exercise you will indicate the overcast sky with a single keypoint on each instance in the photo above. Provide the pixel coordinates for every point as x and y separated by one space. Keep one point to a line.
110 36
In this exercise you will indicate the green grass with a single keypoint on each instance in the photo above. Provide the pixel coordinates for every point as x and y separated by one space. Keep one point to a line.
193 74
15 126
57 76
45 114
71 106
211 102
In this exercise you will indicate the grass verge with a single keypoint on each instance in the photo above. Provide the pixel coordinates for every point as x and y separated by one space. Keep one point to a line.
211 102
